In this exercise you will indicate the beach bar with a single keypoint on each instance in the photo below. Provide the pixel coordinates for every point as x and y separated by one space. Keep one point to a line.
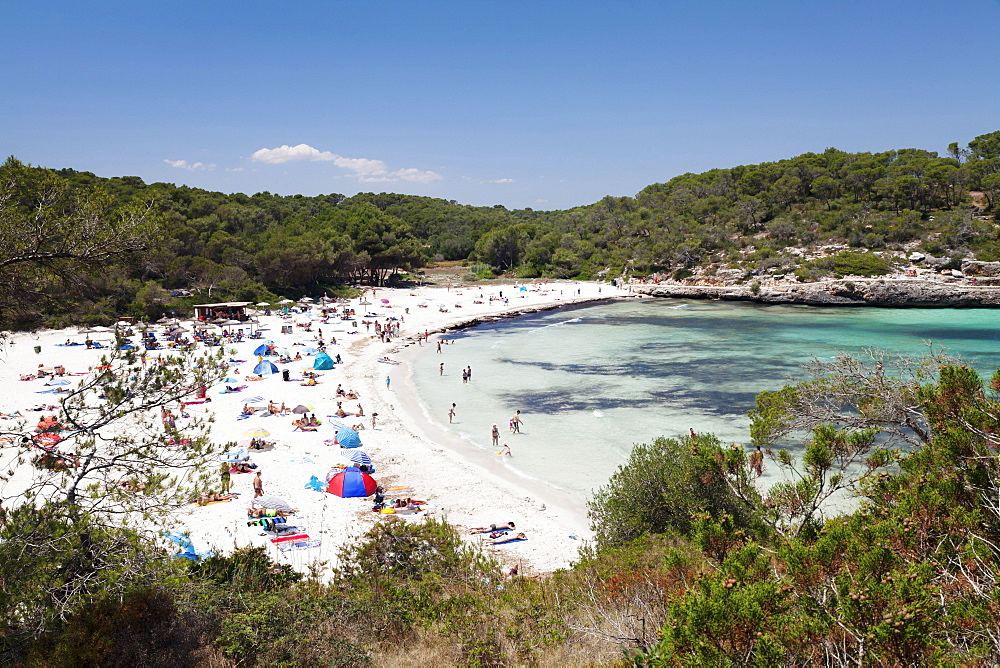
223 311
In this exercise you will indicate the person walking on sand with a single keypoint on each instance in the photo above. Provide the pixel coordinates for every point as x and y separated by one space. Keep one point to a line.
439 346
516 422
258 485
388 382
451 414
496 436
374 415
441 369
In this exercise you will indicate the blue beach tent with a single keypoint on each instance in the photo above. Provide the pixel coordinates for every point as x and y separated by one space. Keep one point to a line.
265 368
261 349
323 362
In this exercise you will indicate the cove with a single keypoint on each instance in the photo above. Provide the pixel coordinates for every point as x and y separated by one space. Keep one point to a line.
591 381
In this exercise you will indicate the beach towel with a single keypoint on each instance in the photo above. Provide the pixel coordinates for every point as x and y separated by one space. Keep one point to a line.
292 538
300 545
242 417
234 455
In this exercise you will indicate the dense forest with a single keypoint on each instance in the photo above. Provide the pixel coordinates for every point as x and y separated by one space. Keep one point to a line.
755 219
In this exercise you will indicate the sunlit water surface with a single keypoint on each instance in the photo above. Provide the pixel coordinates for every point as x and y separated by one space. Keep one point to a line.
592 381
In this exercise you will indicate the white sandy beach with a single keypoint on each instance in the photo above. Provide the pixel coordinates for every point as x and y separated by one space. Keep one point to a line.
461 484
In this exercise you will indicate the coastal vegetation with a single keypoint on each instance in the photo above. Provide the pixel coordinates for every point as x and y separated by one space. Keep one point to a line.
694 562
805 218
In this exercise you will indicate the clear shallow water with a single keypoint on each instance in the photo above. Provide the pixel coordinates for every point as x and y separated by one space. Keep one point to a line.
592 381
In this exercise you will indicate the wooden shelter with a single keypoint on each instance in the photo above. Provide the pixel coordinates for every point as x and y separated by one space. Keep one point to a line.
223 311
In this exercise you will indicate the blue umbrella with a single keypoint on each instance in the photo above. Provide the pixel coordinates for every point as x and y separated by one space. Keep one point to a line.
260 350
230 379
360 457
127 346
265 368
348 438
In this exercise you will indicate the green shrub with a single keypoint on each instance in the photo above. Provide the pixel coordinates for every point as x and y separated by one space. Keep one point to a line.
861 264
663 485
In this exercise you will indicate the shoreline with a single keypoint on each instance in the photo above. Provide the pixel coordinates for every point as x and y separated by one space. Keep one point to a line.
884 292
461 485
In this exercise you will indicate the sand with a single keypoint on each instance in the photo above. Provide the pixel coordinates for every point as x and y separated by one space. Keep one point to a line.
462 484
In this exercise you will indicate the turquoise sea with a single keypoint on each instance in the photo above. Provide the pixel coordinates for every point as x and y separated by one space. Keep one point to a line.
591 381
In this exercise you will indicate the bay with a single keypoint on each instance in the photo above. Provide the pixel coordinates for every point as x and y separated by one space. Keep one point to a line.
592 381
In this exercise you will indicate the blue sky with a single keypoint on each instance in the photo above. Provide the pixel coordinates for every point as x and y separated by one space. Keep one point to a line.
538 104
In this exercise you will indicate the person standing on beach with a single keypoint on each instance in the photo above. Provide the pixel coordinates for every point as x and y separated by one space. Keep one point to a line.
465 377
439 346
451 414
496 436
468 373
227 478
441 369
374 415
516 422
388 382
258 485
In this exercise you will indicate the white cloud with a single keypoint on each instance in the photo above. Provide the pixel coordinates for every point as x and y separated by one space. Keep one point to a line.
501 181
285 153
365 170
193 167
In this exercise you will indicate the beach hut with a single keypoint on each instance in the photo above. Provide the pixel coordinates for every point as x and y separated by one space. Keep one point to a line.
352 482
323 362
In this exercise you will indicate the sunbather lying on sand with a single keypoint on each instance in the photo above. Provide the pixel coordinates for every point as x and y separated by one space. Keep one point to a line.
266 512
506 538
493 527
211 498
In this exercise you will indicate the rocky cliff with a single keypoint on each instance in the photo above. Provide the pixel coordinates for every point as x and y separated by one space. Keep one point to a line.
853 292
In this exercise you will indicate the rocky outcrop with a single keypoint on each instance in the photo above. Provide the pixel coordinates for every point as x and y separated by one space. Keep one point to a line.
853 292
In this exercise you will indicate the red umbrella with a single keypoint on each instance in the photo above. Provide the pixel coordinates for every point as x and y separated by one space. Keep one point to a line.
352 482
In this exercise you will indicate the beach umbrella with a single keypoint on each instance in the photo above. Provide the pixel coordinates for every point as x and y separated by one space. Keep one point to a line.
310 350
257 431
60 381
286 301
348 438
263 303
301 410
359 457
232 322
306 299
283 352
399 491
273 503
254 399
265 368
352 482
